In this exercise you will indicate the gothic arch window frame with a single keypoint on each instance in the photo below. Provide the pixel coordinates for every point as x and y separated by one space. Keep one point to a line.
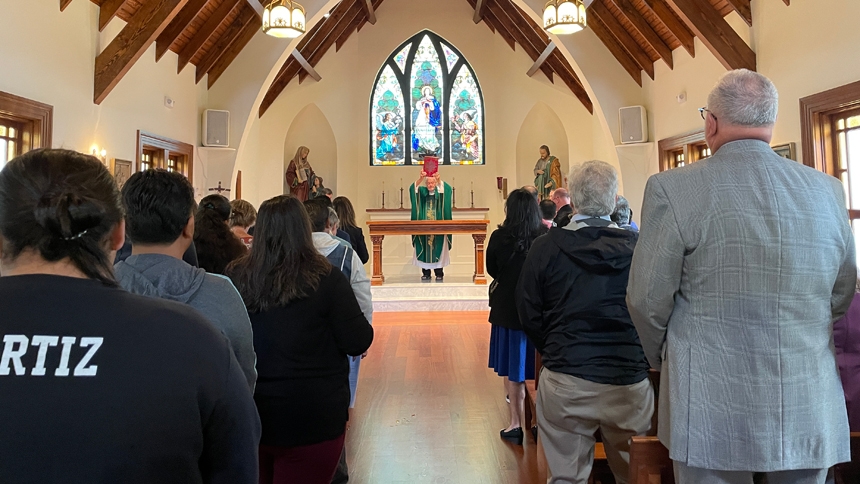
404 78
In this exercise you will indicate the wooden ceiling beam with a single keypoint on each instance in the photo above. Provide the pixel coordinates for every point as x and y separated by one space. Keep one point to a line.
350 29
675 25
599 10
246 16
742 7
787 2
570 79
480 7
322 31
510 24
64 4
343 24
177 26
717 35
640 24
494 23
621 55
227 58
367 6
291 69
204 32
308 69
540 60
132 41
107 11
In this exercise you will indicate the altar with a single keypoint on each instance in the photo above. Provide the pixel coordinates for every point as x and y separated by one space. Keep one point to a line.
467 221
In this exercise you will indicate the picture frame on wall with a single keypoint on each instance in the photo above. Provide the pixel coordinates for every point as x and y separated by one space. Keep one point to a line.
121 170
787 150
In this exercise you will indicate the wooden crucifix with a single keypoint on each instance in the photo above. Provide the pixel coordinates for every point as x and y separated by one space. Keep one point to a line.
219 189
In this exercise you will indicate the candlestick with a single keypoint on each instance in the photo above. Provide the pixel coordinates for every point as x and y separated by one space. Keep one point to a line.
453 193
473 196
383 194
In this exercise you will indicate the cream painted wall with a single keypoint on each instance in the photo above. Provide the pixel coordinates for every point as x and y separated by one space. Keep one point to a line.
58 70
343 97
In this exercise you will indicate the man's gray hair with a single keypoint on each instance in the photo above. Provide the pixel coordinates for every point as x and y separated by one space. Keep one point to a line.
333 220
593 186
744 98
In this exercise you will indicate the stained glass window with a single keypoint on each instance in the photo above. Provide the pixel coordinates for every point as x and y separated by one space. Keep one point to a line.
426 102
387 120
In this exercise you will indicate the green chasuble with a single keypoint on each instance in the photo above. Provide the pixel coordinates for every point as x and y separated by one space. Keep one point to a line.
427 206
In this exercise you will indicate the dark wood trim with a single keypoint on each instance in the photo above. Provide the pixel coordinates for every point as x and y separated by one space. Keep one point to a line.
247 16
40 115
107 11
646 30
816 112
177 26
204 32
64 4
124 50
168 146
239 185
351 28
231 53
480 8
367 6
717 35
616 30
666 146
787 2
627 62
742 7
675 25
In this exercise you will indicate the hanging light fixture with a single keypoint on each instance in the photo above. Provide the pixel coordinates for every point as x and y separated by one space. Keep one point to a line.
284 19
564 16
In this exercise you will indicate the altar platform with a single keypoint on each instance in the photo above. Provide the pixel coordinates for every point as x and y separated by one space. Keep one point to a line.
406 293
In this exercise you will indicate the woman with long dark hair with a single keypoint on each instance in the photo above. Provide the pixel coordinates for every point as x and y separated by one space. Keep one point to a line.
511 353
216 245
346 214
112 386
306 322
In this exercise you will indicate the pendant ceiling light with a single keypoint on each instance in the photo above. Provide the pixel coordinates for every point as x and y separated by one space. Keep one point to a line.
564 16
283 19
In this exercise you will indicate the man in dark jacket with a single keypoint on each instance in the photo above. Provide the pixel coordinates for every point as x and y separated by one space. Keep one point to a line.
561 198
571 302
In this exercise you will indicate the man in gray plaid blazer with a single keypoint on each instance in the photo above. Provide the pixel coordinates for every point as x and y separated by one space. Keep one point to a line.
744 261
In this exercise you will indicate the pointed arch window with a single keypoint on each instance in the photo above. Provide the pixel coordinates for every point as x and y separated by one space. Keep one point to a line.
426 101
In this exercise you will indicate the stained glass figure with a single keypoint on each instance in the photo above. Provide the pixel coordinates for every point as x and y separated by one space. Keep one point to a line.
450 57
427 116
400 58
388 114
466 111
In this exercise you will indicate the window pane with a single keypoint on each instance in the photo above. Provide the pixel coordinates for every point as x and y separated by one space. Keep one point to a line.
387 114
2 130
400 58
853 149
466 120
13 150
3 158
843 153
840 124
450 57
13 133
844 177
853 121
427 115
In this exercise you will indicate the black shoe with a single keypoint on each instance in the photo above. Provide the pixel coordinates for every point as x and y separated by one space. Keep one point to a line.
438 278
514 435
425 278
534 433
425 275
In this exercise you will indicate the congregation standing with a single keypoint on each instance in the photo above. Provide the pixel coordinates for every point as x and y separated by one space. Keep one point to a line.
245 368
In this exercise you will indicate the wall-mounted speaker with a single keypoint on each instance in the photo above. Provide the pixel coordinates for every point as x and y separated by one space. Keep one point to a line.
216 128
633 122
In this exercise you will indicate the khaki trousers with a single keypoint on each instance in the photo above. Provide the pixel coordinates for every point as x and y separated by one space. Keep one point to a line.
570 410
695 475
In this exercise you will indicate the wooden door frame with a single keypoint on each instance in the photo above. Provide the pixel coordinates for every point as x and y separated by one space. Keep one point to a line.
816 113
27 110
166 145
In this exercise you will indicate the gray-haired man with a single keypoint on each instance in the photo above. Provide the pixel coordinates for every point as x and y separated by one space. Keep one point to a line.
744 260
570 299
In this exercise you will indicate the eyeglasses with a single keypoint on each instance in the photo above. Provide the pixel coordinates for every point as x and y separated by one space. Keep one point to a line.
702 112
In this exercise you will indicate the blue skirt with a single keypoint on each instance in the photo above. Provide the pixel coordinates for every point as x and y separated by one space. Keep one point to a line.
512 354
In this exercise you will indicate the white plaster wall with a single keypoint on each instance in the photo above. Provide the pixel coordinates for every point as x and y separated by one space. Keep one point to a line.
57 69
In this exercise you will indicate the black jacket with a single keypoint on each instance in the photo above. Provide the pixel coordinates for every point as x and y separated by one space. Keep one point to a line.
562 217
504 266
571 301
356 238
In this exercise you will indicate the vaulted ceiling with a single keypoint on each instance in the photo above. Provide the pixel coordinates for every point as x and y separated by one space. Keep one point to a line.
209 34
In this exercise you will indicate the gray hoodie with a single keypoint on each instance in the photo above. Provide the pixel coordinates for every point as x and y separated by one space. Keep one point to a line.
166 277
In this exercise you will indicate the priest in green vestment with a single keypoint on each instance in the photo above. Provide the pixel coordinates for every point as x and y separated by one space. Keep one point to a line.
431 200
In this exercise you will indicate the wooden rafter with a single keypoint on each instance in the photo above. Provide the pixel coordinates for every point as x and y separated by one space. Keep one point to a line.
132 41
230 54
246 16
570 79
367 6
675 25
168 37
107 11
742 7
787 2
540 60
621 55
646 30
599 11
496 26
717 35
347 24
307 67
347 33
64 4
519 32
204 32
480 7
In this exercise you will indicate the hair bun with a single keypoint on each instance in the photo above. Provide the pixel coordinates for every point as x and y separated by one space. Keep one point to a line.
69 216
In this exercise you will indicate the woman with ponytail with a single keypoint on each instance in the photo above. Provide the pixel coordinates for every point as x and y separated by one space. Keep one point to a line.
216 245
108 386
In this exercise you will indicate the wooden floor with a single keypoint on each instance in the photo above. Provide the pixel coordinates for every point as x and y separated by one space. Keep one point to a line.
428 410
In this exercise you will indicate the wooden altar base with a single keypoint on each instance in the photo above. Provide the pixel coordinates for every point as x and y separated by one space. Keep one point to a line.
378 229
